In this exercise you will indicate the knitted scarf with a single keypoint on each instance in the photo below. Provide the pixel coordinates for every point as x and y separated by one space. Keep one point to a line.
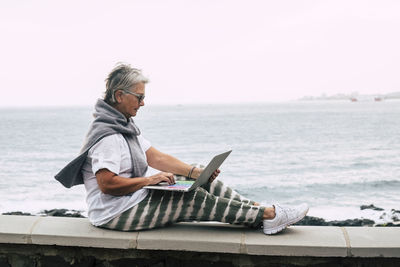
107 121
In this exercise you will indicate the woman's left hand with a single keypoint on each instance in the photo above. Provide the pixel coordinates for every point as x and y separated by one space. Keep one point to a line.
214 175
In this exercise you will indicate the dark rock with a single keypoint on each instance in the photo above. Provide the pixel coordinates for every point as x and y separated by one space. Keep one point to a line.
17 213
395 211
52 212
353 222
387 224
370 207
315 221
63 213
310 220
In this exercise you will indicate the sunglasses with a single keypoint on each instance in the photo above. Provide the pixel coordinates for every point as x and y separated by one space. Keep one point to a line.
139 97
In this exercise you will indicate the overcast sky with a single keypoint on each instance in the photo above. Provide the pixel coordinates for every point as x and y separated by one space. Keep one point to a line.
59 52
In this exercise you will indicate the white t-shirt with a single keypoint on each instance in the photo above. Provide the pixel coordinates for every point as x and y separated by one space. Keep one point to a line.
112 153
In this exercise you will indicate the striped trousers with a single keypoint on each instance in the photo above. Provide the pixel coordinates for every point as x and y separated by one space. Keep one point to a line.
210 202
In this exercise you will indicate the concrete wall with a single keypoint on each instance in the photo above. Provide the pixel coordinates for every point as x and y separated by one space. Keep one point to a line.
57 241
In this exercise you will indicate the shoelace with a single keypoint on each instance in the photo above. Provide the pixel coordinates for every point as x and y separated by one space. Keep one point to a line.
285 210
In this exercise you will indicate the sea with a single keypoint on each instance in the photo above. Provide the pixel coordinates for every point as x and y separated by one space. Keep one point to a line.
334 155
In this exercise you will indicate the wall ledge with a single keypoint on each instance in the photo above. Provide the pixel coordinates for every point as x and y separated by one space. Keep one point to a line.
296 241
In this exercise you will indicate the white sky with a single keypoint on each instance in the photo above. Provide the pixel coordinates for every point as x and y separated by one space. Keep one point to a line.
59 52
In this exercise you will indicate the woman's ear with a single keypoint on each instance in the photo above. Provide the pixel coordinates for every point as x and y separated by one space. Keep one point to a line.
118 96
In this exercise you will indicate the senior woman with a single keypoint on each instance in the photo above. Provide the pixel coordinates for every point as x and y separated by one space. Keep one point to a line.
113 165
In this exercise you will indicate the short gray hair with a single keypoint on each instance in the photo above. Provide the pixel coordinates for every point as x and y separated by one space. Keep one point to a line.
122 77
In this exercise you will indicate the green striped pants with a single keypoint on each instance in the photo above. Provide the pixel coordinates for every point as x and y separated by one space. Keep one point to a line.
210 202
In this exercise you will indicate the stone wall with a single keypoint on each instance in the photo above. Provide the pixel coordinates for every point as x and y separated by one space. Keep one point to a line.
58 242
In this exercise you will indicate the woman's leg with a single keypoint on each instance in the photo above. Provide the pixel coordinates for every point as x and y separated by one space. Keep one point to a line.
219 189
205 206
161 208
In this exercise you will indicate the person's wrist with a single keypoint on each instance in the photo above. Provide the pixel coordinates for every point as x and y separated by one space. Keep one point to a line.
191 172
149 180
197 172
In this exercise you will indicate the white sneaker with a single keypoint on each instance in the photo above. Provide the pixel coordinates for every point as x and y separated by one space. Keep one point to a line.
283 218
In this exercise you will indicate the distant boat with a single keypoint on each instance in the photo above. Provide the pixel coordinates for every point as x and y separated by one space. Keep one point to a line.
377 99
353 99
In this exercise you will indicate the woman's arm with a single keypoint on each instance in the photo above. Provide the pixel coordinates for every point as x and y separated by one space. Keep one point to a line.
168 163
112 184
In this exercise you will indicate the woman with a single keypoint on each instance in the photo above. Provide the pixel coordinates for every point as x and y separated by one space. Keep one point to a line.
114 164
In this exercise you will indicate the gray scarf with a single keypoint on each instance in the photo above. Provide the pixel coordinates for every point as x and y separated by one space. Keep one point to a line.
107 121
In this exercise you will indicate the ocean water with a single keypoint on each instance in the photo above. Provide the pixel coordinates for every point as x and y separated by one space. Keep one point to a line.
335 156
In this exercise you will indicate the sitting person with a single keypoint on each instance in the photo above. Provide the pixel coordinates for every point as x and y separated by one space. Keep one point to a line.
113 165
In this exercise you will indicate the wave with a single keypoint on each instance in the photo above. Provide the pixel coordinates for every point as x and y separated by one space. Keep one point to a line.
365 184
383 192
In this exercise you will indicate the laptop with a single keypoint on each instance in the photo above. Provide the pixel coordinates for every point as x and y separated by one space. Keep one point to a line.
189 185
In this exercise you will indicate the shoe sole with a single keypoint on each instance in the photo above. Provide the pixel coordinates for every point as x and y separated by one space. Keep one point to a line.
281 227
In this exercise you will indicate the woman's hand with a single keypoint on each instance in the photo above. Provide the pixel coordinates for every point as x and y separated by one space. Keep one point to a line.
162 177
198 171
214 176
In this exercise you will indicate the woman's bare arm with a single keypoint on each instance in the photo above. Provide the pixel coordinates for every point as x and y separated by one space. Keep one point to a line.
168 163
112 184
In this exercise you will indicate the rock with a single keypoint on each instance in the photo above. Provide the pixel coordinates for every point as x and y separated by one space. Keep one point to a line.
387 224
370 207
395 211
63 213
52 212
315 221
353 222
17 213
310 220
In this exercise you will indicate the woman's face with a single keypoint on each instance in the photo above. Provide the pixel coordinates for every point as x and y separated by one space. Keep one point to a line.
129 104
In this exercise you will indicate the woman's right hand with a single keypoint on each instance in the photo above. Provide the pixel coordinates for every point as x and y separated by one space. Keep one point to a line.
162 177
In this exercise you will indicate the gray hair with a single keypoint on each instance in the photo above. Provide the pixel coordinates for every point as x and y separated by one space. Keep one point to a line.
122 77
